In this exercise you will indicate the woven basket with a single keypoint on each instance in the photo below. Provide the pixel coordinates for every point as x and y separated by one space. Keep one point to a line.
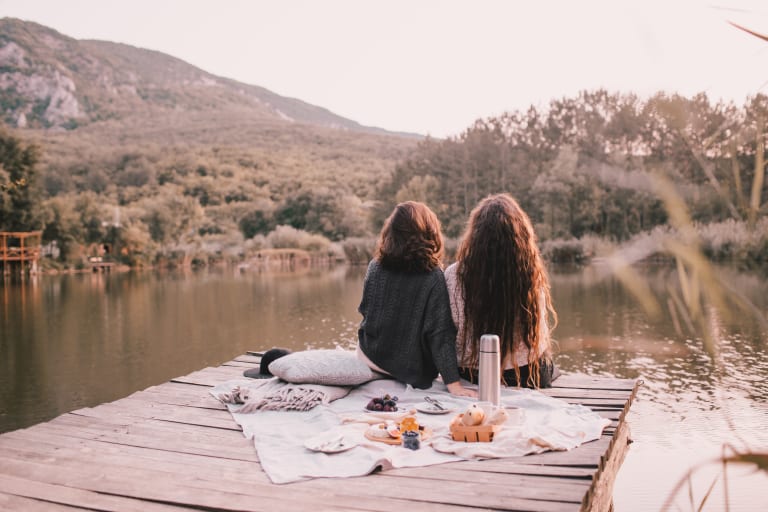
477 434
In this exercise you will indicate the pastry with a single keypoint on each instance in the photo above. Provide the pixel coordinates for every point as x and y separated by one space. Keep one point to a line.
474 415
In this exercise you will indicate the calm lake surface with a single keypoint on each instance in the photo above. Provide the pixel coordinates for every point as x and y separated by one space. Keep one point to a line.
75 341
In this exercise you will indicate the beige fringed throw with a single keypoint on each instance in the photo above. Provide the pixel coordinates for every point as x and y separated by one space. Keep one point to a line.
277 395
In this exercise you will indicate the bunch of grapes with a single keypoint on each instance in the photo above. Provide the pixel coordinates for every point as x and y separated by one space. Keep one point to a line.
384 404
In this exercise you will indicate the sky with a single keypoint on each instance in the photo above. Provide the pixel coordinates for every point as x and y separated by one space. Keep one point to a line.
435 66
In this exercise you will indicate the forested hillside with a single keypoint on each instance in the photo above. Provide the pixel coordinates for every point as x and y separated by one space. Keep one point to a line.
145 152
599 164
165 162
49 80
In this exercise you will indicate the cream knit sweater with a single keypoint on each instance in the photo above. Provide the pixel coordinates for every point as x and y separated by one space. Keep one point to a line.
457 312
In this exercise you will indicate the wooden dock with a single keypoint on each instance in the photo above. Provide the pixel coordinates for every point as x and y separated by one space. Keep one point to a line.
174 447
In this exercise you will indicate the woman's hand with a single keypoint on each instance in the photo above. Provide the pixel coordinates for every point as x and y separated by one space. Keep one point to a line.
456 389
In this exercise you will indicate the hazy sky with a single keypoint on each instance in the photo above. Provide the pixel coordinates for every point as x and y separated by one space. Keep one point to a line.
434 66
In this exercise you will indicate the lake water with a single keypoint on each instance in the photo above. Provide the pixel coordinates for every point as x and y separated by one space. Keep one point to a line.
74 341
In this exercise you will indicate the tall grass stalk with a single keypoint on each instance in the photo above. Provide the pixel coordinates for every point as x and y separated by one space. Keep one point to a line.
698 303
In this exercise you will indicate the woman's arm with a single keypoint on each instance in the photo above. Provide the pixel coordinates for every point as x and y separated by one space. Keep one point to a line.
441 334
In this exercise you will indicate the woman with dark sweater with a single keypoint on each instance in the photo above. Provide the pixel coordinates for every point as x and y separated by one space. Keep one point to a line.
407 331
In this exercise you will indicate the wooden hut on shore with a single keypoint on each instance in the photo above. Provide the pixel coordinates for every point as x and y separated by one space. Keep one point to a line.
20 250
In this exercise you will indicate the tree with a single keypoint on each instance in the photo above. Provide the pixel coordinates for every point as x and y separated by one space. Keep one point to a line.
420 188
173 220
19 193
256 222
333 214
755 128
62 225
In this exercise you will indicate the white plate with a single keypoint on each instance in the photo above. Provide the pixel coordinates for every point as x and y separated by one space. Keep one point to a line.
388 415
329 442
431 409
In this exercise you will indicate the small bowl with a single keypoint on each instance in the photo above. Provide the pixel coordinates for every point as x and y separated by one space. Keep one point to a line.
516 415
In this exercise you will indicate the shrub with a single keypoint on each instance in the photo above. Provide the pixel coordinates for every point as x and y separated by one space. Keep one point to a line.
358 250
287 237
564 251
734 240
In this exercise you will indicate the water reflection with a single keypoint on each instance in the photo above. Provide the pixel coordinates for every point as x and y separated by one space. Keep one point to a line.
73 341
79 340
686 409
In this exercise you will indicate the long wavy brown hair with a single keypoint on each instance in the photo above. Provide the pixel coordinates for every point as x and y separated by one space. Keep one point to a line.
503 280
411 239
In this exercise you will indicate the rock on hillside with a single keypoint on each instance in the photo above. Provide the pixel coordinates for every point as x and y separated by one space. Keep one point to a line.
49 80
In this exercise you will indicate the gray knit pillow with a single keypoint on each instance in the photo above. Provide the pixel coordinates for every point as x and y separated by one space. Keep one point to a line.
330 367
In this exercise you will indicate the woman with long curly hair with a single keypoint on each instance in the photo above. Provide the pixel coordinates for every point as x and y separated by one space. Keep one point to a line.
499 285
407 330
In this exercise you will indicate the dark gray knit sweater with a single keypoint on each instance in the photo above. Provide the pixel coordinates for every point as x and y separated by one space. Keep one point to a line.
407 328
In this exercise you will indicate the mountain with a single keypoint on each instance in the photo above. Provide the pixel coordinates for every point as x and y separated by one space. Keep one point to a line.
49 80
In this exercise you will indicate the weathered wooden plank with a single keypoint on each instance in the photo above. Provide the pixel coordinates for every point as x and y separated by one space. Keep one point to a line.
586 455
619 394
12 502
128 423
41 496
180 389
600 495
165 447
196 491
157 439
238 368
512 466
197 416
604 404
140 436
139 406
147 484
77 453
212 376
495 497
202 379
247 360
178 417
483 476
203 401
233 371
590 382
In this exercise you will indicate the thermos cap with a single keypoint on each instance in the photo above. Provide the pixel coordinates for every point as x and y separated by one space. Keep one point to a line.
489 343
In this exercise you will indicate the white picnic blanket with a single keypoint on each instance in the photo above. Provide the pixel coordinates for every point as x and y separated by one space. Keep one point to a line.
279 436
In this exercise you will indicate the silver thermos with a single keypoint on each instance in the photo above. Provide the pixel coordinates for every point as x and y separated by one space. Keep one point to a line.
490 368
